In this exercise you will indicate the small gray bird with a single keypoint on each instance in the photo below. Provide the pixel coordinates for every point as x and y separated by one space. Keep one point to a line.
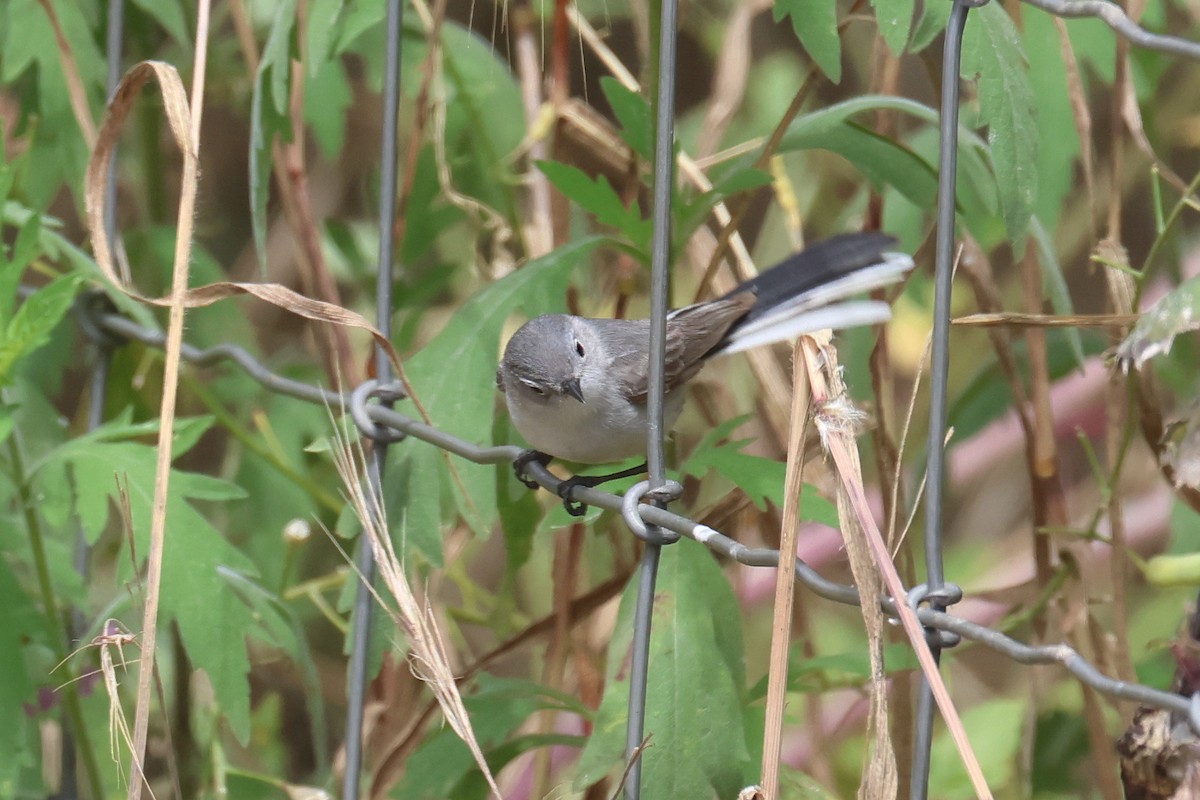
576 387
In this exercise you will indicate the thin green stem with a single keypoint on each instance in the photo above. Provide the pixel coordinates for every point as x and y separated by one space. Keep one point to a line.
251 442
58 628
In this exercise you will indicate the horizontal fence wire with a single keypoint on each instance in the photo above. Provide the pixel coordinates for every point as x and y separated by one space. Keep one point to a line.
114 324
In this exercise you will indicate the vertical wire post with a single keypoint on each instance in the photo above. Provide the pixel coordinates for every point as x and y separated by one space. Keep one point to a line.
660 255
97 390
939 370
363 606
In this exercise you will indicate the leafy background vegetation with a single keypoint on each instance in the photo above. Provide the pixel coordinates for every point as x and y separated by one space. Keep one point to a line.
1071 145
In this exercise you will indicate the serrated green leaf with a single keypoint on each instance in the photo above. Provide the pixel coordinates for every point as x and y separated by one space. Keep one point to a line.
86 469
760 478
412 497
597 197
932 22
994 729
815 24
992 53
633 114
31 326
454 375
695 689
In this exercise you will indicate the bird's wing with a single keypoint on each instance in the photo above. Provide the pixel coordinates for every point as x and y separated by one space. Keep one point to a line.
692 332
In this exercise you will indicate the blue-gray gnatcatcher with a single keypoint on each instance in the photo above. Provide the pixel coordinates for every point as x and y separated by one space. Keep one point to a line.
576 387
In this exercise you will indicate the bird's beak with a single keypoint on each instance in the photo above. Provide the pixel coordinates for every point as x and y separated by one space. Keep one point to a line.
573 388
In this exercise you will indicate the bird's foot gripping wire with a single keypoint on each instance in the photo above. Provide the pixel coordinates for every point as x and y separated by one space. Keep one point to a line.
522 462
566 489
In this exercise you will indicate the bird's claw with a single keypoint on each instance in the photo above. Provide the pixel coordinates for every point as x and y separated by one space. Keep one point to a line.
521 464
566 490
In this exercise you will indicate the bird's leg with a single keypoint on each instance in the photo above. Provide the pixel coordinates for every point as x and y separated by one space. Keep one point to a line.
566 489
524 460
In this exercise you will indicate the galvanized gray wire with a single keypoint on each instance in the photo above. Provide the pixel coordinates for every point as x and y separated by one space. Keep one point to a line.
105 327
363 601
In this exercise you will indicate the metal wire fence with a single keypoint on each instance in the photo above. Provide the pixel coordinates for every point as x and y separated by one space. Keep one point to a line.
369 405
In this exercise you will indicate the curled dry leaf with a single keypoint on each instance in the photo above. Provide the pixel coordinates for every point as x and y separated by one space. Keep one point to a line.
179 116
1155 332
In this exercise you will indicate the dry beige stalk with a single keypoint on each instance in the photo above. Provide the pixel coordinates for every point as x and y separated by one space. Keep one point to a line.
428 658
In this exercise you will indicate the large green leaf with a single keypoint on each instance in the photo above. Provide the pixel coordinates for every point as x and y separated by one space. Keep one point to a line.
633 113
31 326
760 478
992 53
597 197
454 375
815 24
269 118
212 620
895 18
695 689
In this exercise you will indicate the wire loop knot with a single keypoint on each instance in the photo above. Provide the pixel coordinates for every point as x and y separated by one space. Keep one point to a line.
671 490
386 393
946 595
89 308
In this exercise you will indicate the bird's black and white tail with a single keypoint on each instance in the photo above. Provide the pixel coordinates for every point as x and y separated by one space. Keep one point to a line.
807 291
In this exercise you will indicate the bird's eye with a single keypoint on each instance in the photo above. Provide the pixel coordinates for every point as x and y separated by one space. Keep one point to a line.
579 348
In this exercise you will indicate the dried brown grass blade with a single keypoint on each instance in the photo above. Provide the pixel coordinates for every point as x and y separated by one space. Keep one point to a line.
840 445
1013 319
428 658
836 423
180 119
785 583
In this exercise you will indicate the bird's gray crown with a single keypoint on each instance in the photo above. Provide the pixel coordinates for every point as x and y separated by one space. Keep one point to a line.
543 351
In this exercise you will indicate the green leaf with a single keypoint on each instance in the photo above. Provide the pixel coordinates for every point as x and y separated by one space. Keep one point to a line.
496 708
762 479
633 114
86 469
268 118
894 18
321 32
597 197
21 626
690 213
815 24
326 98
992 52
994 729
412 495
170 15
1054 285
12 267
881 159
695 689
37 317
987 396
454 375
